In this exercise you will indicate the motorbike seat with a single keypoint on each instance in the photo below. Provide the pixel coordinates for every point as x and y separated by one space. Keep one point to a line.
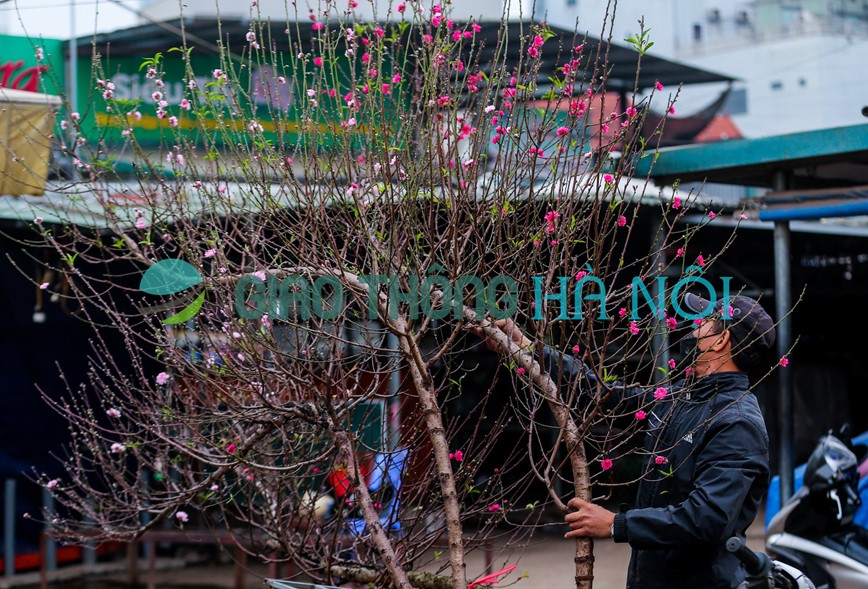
851 541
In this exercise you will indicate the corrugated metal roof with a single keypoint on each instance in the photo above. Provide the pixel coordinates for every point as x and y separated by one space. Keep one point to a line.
119 206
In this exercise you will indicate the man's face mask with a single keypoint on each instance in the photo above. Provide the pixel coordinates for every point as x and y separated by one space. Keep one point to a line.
688 348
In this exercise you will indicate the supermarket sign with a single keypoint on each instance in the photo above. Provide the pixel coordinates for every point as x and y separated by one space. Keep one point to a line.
32 65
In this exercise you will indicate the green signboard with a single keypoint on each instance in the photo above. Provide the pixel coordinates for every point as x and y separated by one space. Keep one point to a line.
34 65
294 99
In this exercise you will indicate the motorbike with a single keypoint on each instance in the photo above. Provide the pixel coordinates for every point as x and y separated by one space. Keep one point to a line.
814 531
765 573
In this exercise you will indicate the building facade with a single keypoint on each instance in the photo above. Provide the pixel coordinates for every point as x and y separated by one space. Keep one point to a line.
800 63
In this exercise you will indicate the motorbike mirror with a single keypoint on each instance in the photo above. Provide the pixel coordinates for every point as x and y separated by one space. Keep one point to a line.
845 432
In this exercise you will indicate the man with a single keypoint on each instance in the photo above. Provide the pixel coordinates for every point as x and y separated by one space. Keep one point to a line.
705 469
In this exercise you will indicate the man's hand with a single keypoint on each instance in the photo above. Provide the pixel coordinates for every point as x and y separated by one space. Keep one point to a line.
508 327
588 520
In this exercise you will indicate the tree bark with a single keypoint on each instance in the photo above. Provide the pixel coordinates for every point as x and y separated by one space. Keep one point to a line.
584 556
419 580
437 435
381 541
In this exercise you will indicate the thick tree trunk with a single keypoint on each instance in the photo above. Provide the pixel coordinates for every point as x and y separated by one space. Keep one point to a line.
433 424
375 528
418 579
440 445
584 557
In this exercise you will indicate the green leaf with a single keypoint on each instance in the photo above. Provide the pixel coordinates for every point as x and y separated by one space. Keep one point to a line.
187 312
151 61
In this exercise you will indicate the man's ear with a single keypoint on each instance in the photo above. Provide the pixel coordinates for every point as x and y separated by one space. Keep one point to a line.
723 340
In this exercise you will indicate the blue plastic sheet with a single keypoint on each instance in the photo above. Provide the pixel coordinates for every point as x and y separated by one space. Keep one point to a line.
388 469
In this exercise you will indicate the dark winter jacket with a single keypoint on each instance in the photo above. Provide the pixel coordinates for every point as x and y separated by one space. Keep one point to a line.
712 474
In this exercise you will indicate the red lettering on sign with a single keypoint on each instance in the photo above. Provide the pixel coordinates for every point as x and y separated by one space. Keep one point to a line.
28 79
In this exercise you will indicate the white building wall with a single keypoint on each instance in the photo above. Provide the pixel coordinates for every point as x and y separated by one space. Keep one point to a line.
281 10
797 84
61 19
799 69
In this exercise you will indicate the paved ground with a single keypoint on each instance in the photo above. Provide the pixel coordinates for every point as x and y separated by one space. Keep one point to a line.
547 560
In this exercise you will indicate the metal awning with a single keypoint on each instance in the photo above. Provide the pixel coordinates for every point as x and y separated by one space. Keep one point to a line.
206 33
808 228
813 204
813 159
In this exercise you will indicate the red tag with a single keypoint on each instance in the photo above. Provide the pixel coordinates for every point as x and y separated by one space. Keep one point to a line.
491 579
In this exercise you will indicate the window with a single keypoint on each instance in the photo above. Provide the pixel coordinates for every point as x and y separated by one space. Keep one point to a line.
736 102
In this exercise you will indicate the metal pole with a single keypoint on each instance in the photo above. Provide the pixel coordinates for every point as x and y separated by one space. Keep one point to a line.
149 549
9 527
786 458
660 340
73 60
50 543
394 388
89 560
